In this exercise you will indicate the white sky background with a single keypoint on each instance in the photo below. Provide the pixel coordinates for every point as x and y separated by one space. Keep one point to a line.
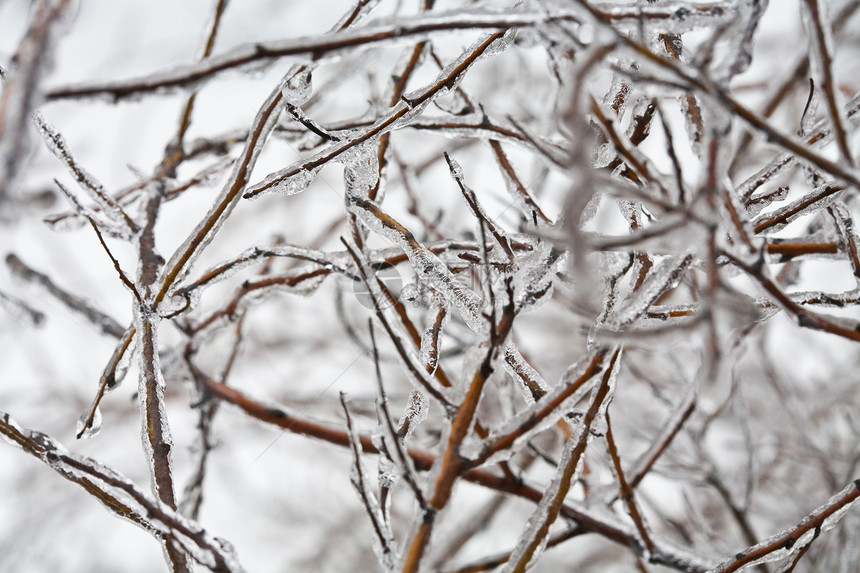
270 494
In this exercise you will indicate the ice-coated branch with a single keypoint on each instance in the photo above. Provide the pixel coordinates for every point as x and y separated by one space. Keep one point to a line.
546 411
626 492
665 553
22 86
784 544
409 107
58 146
821 37
384 539
699 81
451 462
533 540
122 498
112 375
316 47
293 88
846 328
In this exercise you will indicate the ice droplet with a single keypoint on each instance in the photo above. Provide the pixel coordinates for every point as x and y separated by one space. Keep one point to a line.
298 87
297 182
91 430
410 292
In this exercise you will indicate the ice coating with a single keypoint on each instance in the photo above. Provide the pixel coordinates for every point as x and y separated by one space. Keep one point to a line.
667 212
296 183
519 369
673 17
387 472
256 255
758 202
410 292
501 44
76 304
22 86
453 103
416 411
186 255
807 120
65 223
429 268
433 271
534 277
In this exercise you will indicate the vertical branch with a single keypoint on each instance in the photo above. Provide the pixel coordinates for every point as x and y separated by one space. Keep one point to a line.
548 510
157 439
22 92
628 497
175 152
451 463
822 39
387 552
396 437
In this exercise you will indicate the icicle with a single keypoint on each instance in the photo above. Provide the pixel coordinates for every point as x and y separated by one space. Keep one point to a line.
360 168
416 412
430 339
